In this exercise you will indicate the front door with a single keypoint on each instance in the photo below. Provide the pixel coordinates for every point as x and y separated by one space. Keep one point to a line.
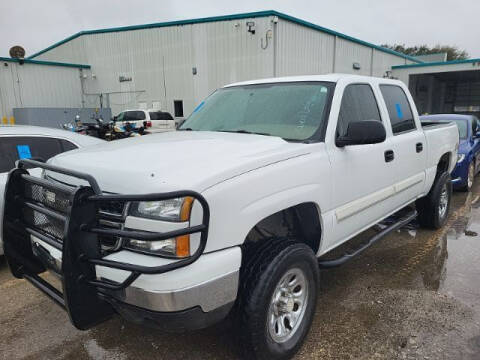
362 174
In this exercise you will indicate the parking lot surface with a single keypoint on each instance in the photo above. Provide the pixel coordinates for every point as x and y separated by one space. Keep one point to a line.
414 295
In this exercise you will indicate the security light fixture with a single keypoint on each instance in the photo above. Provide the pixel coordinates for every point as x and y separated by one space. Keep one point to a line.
251 27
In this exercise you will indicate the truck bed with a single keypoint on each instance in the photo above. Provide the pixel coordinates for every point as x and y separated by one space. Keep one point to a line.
439 139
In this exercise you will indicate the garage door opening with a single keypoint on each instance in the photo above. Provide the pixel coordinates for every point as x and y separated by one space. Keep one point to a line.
455 92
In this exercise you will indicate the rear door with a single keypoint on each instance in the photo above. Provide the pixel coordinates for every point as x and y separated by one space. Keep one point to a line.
408 144
362 177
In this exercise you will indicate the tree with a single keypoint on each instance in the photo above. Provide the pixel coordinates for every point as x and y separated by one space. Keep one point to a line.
453 52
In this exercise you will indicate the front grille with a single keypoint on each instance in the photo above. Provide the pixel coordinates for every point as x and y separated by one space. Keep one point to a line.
45 223
111 216
54 200
115 208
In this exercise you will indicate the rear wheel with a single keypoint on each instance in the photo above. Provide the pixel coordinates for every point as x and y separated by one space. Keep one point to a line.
470 177
277 300
433 209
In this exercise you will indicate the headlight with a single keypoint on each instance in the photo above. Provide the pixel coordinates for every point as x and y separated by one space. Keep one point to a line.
167 210
173 210
460 157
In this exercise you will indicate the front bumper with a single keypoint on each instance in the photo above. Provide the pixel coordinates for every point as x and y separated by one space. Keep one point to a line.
209 283
66 219
186 320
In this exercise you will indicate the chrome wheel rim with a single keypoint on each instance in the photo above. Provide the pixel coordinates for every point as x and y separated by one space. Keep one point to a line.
287 306
470 176
443 203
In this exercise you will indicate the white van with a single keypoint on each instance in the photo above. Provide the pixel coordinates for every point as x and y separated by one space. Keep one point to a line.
151 120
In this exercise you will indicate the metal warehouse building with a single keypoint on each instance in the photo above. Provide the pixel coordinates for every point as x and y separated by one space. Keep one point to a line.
174 65
443 87
35 83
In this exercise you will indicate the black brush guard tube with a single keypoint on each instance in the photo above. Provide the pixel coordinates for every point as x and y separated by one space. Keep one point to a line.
67 219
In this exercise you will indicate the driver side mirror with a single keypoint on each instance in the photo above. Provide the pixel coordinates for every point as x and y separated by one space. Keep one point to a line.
362 133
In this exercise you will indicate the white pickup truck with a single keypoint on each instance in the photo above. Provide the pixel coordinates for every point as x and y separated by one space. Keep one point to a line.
263 179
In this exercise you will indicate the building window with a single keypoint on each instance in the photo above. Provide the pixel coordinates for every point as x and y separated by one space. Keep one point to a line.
178 106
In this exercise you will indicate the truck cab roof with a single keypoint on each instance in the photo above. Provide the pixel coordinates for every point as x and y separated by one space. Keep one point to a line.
336 77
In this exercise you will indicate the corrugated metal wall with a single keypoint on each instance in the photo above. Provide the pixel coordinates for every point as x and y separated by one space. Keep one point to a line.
303 51
73 51
31 85
159 60
348 53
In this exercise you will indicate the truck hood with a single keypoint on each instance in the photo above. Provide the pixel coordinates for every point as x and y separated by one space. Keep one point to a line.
181 160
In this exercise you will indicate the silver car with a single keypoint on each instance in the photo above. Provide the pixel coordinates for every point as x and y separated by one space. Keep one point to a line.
39 143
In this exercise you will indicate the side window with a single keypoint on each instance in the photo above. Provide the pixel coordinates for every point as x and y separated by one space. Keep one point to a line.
22 147
7 157
160 115
358 104
399 110
134 115
67 145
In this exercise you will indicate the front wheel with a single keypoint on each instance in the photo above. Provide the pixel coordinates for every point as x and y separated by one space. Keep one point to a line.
277 300
433 209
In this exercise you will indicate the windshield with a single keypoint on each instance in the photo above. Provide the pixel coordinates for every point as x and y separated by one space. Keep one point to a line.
293 111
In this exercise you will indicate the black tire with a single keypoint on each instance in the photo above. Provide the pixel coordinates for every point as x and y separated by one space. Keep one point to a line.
260 276
467 187
428 207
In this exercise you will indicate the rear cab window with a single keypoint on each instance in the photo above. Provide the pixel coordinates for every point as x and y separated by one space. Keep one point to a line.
399 110
13 148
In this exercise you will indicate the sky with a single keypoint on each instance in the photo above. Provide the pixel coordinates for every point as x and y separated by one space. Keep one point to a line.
37 24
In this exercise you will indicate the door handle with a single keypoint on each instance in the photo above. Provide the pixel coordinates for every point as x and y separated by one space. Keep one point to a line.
419 147
389 155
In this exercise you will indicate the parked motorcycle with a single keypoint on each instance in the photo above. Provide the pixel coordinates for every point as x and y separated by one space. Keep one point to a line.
100 129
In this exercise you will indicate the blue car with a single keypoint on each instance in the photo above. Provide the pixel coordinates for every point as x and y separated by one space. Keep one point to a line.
468 161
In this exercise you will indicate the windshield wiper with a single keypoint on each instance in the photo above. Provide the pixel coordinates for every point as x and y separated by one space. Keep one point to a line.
241 131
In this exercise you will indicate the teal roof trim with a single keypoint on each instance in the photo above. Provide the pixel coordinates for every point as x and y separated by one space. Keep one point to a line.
439 63
226 18
49 63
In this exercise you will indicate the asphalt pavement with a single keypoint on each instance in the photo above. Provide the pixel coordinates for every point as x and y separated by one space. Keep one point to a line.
413 295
